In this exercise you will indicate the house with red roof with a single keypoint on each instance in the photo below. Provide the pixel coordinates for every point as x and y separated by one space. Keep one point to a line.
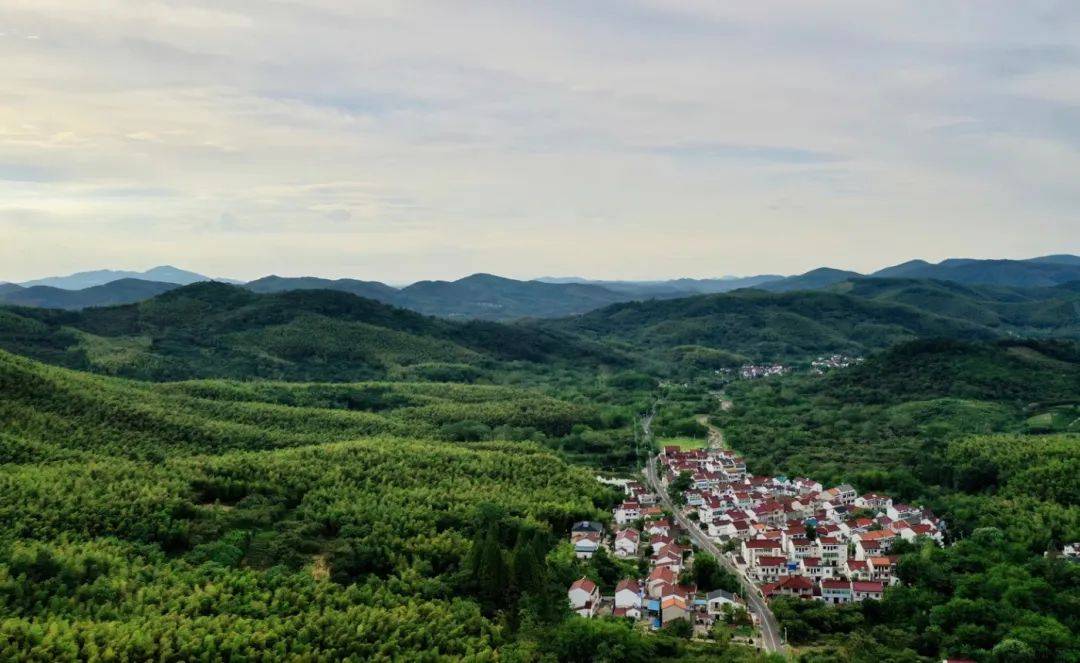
584 597
626 543
797 586
768 568
862 590
836 591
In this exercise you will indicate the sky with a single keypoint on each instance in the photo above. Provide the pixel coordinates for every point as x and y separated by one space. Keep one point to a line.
401 140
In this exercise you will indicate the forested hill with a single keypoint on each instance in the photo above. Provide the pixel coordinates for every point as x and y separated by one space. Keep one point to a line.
1013 310
211 521
122 291
1024 373
477 297
759 325
218 330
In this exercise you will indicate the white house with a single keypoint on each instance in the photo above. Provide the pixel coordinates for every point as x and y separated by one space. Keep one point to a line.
584 597
836 591
862 590
628 594
832 551
627 512
586 545
626 543
717 599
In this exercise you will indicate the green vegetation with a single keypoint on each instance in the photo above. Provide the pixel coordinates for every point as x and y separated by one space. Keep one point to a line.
682 442
940 423
406 493
765 326
213 330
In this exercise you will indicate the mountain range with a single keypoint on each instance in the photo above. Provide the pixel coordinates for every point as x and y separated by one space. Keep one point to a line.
216 330
490 297
82 280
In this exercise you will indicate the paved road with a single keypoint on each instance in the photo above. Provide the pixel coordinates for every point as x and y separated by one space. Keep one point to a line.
770 630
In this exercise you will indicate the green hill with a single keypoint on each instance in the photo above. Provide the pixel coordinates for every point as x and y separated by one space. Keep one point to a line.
767 326
1035 272
484 296
1025 373
218 330
821 277
369 289
122 291
1014 310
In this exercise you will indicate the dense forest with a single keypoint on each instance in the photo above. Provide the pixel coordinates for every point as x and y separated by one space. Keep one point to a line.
407 493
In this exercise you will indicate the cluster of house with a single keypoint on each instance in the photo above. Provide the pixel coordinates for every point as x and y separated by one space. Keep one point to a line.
794 536
823 364
659 597
753 371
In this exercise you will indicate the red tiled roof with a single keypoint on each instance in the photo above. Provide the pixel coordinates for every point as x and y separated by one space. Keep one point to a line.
629 583
770 560
584 583
835 584
661 573
762 544
795 583
863 586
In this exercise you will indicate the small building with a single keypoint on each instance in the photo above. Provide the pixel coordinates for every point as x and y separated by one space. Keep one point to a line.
796 586
862 590
836 591
626 543
587 526
586 545
673 608
717 599
628 594
584 597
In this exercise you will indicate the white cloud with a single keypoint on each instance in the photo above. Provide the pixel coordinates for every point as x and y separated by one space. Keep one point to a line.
398 140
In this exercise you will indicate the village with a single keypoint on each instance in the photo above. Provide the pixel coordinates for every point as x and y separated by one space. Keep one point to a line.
784 536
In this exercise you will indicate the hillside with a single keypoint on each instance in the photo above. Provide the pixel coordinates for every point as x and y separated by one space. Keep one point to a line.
1035 272
812 280
682 287
1045 271
217 330
1044 310
140 521
768 326
1021 373
122 291
369 289
488 297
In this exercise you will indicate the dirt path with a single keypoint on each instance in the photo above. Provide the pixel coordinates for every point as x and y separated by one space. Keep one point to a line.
716 435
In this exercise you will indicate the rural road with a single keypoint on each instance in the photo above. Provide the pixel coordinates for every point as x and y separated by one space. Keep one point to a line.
770 629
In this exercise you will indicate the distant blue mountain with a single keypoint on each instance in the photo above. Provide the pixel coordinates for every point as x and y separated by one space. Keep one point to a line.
82 280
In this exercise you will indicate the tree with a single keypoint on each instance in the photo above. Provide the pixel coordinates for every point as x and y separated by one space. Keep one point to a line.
680 485
708 574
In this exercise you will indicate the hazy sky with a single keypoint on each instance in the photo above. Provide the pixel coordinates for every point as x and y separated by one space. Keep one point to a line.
399 140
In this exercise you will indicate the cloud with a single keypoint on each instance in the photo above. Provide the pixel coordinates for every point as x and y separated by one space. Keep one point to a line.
610 138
